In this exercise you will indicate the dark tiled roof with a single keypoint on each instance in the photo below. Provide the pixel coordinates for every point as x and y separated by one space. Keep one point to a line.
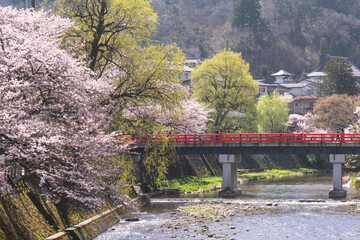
356 70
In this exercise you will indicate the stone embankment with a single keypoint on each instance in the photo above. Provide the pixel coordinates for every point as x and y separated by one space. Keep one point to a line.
96 225
25 214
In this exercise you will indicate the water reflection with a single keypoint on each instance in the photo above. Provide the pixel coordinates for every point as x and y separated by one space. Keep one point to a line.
315 186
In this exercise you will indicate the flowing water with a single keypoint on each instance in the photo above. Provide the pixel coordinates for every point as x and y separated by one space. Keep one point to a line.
300 209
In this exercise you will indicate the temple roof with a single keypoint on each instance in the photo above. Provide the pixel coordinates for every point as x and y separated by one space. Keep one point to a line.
282 73
320 71
296 85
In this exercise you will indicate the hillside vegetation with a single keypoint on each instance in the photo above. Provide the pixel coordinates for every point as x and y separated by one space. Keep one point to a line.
276 34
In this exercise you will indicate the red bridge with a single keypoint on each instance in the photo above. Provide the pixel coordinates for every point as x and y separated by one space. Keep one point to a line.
230 147
256 138
256 143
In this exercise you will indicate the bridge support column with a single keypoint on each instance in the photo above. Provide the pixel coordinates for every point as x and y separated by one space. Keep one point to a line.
229 166
337 160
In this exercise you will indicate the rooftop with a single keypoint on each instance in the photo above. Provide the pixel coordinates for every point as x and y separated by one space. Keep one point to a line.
303 98
296 85
320 71
282 73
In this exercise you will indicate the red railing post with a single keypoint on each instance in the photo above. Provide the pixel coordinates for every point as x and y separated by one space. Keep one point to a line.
220 137
342 137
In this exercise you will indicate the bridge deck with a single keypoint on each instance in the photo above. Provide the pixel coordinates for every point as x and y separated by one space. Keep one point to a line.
257 143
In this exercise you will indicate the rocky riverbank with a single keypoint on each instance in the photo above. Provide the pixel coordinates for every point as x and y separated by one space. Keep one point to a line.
198 220
211 212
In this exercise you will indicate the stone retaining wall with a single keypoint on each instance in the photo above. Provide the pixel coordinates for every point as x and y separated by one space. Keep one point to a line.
96 225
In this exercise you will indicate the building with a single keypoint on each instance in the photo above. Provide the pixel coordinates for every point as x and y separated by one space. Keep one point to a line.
302 104
269 88
283 76
192 63
303 88
186 76
317 75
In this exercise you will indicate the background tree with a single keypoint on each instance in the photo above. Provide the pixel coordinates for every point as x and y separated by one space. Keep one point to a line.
304 76
339 78
334 112
246 13
225 86
272 113
323 50
265 74
290 28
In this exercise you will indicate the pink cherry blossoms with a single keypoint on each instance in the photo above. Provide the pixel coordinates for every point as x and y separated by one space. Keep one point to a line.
191 120
50 120
303 124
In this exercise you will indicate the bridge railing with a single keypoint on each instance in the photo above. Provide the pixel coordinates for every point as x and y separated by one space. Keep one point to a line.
250 138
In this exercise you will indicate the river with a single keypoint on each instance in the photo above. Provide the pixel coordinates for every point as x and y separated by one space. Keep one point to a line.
294 207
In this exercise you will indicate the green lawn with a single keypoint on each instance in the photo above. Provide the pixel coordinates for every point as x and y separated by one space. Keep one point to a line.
276 173
191 183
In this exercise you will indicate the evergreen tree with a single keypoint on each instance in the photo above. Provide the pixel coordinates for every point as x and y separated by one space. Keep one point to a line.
339 78
304 76
264 71
246 13
334 49
323 50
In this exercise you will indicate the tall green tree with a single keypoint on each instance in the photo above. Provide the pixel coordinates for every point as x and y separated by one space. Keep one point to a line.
272 113
225 85
113 37
246 13
106 27
339 78
323 50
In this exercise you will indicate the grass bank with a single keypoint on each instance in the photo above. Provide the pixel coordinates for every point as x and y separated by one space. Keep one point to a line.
274 173
193 184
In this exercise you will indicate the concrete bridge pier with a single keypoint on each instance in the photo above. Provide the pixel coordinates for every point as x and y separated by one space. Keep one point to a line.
229 166
337 160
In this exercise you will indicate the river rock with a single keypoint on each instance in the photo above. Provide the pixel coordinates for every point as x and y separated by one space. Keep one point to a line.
201 190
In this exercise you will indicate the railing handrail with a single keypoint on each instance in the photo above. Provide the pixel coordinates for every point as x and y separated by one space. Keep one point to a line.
249 138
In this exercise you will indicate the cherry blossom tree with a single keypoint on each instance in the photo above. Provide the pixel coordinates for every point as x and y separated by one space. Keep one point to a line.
51 122
303 124
191 120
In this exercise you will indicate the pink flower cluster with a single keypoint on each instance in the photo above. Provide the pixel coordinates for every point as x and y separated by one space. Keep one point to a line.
51 122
